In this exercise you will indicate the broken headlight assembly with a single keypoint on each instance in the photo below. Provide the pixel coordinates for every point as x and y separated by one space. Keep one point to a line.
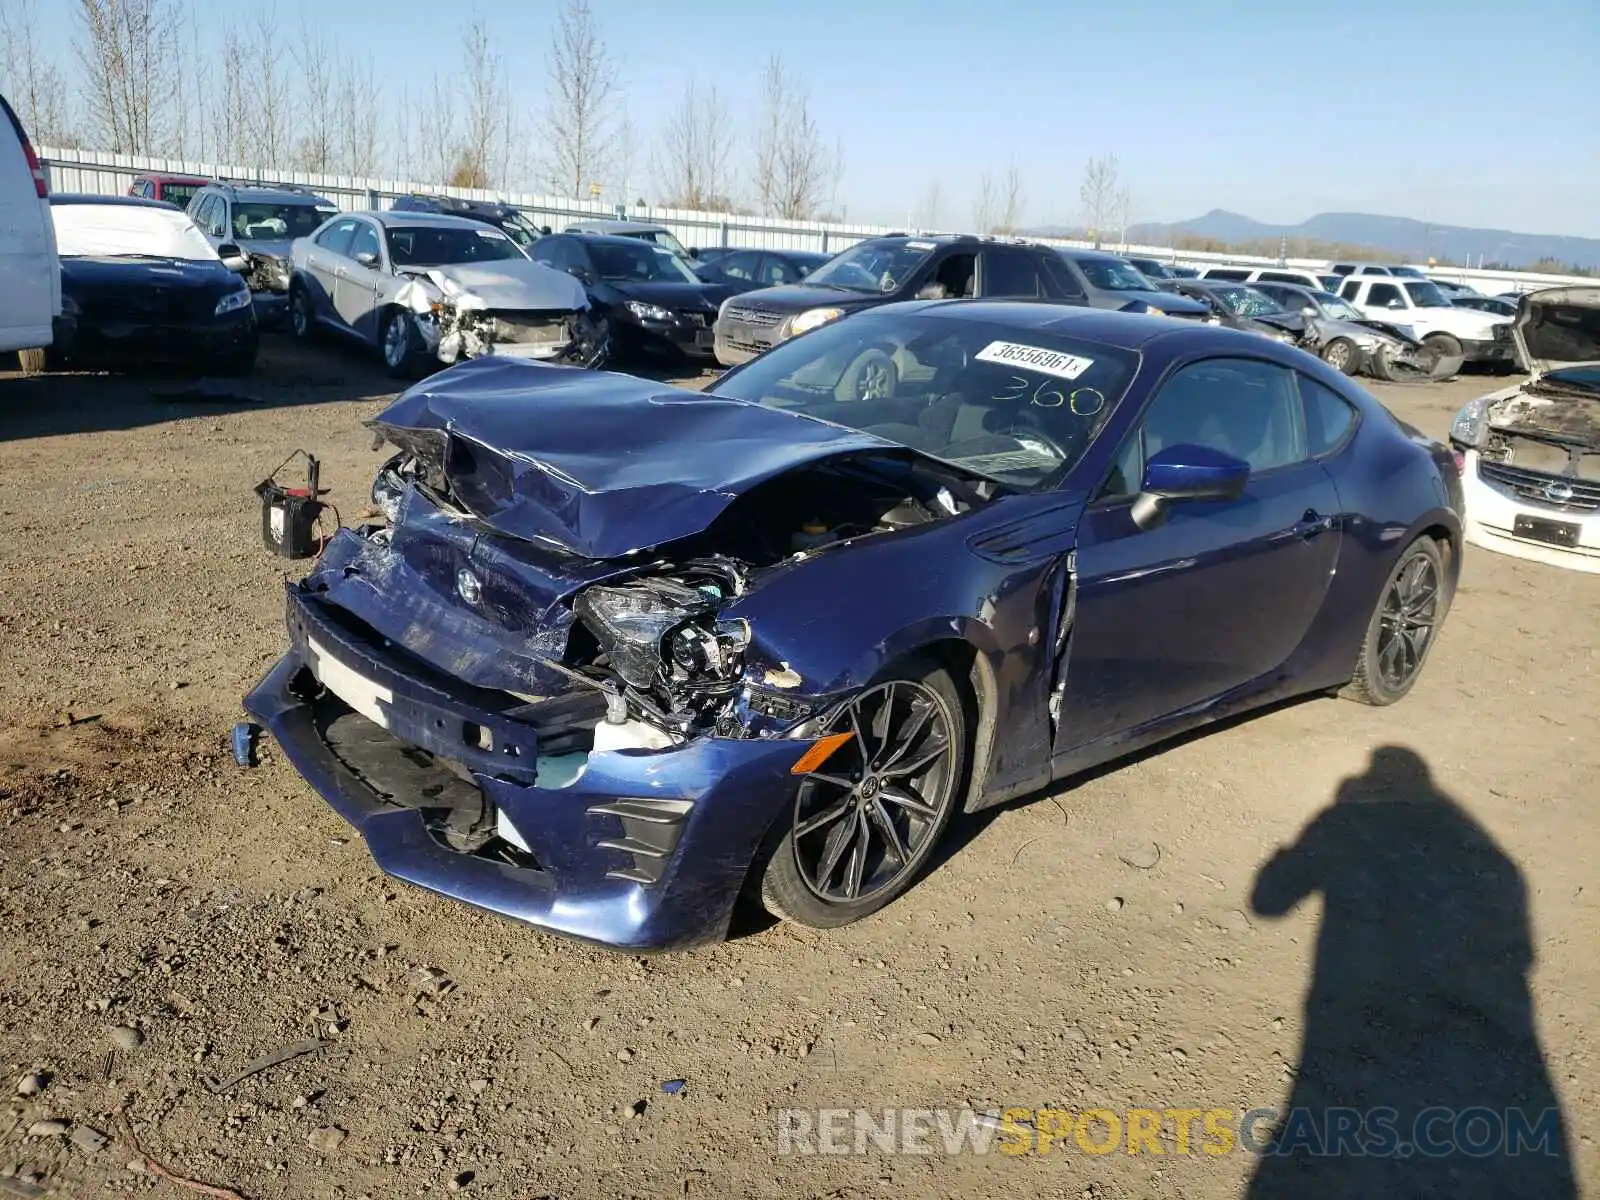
661 636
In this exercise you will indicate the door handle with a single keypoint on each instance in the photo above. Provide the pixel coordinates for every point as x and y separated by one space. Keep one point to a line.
1312 524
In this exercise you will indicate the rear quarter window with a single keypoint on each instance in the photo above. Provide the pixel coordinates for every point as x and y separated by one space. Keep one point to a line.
1329 416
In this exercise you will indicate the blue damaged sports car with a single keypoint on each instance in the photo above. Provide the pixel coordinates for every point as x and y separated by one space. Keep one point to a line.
619 653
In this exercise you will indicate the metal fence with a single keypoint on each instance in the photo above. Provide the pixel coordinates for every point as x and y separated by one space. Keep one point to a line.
100 173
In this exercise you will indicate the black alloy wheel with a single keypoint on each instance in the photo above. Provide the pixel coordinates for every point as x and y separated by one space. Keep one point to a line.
865 820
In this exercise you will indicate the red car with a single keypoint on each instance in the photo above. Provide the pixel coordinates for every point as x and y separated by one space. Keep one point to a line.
174 189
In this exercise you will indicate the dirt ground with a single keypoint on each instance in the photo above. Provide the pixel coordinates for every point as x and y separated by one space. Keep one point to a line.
1104 946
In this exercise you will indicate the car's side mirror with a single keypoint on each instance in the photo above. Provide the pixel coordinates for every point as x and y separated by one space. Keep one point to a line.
232 257
932 291
1186 473
581 273
367 258
1308 311
1397 304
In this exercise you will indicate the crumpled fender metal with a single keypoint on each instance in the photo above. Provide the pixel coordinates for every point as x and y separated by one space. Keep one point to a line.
969 590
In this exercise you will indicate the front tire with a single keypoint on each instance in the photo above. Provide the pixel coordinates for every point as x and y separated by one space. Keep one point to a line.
302 318
1443 345
1342 355
1404 626
864 823
399 343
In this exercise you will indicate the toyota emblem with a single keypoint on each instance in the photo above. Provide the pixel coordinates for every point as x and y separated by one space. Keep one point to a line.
469 587
1558 491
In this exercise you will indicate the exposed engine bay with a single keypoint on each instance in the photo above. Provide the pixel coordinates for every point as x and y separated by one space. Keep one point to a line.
457 324
267 273
1552 433
653 637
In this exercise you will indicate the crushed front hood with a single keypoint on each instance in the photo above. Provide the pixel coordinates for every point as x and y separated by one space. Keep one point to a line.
1557 327
514 284
596 464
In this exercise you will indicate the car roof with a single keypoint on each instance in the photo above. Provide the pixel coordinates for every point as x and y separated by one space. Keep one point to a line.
598 226
1088 255
265 191
1127 331
449 204
165 178
390 218
115 201
603 239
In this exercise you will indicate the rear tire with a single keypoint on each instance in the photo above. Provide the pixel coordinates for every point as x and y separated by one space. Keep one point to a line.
846 847
33 362
1405 624
1342 355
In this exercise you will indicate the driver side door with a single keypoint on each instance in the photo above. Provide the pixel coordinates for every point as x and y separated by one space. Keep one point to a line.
358 279
1221 592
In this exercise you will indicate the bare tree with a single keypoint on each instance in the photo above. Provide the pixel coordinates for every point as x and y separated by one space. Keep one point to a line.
486 126
129 53
795 171
692 162
1009 207
32 79
1124 213
986 205
318 101
1098 194
927 211
582 95
358 125
438 131
624 149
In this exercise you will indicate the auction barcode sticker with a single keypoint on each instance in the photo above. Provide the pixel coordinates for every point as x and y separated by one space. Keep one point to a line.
1035 358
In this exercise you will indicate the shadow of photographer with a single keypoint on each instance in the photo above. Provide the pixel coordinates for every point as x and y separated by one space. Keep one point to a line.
1421 1072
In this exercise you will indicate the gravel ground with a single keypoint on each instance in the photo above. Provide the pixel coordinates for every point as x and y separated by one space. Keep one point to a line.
168 918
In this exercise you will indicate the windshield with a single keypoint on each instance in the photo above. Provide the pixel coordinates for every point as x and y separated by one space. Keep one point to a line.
666 241
277 221
873 266
127 231
1151 269
1016 405
1427 295
521 230
642 263
1331 281
1337 307
1247 302
441 247
1114 275
180 193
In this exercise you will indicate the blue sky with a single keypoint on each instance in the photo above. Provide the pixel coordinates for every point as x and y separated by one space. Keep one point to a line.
1277 111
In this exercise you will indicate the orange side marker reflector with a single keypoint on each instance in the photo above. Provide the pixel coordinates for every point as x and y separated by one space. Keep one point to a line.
819 753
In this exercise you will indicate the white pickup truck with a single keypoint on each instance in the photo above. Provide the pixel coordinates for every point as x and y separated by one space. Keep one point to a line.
1447 330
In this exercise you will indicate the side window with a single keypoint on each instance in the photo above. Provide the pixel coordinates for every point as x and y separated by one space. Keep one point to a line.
776 271
1228 273
335 239
1062 281
1012 274
1386 295
958 274
741 264
1279 277
547 250
1242 406
1350 290
216 222
1328 416
365 240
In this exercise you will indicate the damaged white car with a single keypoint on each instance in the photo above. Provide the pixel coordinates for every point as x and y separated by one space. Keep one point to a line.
1531 453
426 288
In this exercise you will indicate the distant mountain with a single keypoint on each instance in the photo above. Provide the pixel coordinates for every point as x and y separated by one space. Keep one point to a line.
1412 240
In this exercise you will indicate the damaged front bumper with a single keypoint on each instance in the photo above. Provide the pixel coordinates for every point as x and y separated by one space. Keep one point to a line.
639 849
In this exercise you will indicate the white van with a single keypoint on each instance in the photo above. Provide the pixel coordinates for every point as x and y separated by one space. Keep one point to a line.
30 274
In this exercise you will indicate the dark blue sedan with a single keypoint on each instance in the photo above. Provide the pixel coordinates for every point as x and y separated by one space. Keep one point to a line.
620 653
